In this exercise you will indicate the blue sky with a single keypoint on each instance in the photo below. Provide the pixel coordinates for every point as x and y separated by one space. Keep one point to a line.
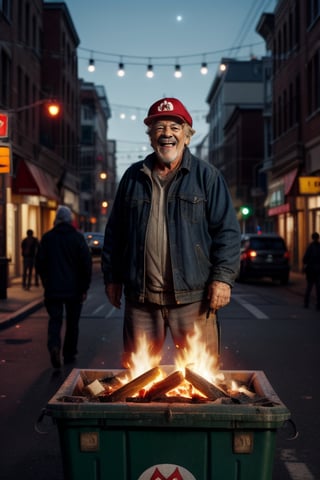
139 32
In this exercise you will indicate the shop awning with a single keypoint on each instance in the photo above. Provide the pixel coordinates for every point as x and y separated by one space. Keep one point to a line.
32 180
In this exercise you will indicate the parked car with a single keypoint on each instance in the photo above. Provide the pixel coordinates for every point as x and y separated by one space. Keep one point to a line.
95 242
264 255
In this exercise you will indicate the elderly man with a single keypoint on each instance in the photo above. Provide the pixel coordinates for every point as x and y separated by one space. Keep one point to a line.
172 240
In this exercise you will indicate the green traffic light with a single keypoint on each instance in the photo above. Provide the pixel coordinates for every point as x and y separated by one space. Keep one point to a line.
245 211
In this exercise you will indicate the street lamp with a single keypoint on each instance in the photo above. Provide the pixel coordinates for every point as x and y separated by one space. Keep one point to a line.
52 107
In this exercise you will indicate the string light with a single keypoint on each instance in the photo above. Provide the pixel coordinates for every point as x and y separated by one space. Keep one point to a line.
150 72
189 60
121 70
177 72
91 66
204 68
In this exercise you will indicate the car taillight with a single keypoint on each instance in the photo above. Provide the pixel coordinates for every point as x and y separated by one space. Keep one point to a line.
248 255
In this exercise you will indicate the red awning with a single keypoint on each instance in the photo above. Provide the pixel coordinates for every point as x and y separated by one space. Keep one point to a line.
32 180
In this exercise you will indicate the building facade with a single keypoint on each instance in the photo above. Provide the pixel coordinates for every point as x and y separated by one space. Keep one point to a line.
29 193
38 65
292 35
235 138
94 171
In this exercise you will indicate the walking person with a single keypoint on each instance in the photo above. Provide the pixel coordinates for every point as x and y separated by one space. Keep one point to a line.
172 239
65 268
29 247
311 262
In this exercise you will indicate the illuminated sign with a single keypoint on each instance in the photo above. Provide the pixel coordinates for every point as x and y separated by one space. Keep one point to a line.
3 125
5 158
309 185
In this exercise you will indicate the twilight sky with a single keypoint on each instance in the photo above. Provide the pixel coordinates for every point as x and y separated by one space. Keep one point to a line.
163 34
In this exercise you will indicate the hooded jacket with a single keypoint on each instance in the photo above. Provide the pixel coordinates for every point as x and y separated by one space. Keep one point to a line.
203 231
64 262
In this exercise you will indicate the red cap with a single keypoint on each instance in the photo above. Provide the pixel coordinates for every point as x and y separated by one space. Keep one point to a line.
168 107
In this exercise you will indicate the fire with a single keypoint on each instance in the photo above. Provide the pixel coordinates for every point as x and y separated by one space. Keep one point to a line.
142 359
197 357
194 377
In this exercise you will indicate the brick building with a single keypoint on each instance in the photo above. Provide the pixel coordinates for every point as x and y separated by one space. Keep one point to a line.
292 35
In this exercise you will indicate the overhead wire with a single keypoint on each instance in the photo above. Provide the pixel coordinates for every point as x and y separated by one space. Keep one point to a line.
255 10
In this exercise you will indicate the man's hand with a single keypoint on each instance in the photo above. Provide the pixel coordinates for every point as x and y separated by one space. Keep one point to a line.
219 294
114 293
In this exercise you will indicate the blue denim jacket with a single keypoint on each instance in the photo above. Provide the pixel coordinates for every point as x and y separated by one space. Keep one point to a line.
204 233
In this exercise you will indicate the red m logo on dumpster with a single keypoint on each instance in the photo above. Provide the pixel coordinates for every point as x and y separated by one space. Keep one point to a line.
166 471
174 476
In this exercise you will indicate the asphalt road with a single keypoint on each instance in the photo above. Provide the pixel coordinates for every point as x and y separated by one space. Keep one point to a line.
264 328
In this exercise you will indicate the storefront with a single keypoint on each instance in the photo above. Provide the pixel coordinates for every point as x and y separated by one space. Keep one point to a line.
294 204
31 203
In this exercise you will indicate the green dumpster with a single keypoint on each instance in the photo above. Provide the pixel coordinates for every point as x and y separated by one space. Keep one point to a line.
173 441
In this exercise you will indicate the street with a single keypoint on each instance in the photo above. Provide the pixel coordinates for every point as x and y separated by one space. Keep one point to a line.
265 327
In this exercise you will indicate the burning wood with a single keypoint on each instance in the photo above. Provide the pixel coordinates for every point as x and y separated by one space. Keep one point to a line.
212 392
169 383
176 387
134 385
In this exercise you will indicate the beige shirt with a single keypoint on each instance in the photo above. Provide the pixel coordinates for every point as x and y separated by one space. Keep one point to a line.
159 284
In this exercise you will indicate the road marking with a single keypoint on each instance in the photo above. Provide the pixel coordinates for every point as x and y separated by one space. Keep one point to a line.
298 471
97 310
113 309
251 308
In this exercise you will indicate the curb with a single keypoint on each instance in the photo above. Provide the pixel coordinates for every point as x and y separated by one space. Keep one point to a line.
21 314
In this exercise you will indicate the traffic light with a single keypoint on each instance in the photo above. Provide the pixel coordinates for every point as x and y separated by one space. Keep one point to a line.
245 211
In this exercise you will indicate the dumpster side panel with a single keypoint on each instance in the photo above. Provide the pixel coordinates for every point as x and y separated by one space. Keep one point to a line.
91 453
95 453
186 449
256 464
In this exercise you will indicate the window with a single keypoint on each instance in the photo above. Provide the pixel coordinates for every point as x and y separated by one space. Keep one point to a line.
6 8
5 79
313 10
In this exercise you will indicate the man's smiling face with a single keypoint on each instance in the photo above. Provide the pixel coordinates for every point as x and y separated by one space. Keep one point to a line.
168 139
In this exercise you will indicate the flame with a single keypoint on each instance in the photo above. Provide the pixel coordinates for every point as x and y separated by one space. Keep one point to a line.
142 359
197 357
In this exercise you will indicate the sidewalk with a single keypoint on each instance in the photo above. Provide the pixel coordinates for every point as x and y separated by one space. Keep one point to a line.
21 303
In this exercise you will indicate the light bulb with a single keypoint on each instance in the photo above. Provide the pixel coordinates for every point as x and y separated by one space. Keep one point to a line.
121 71
91 66
178 73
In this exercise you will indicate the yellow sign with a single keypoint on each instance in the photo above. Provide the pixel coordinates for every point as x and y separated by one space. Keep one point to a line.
309 185
5 158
